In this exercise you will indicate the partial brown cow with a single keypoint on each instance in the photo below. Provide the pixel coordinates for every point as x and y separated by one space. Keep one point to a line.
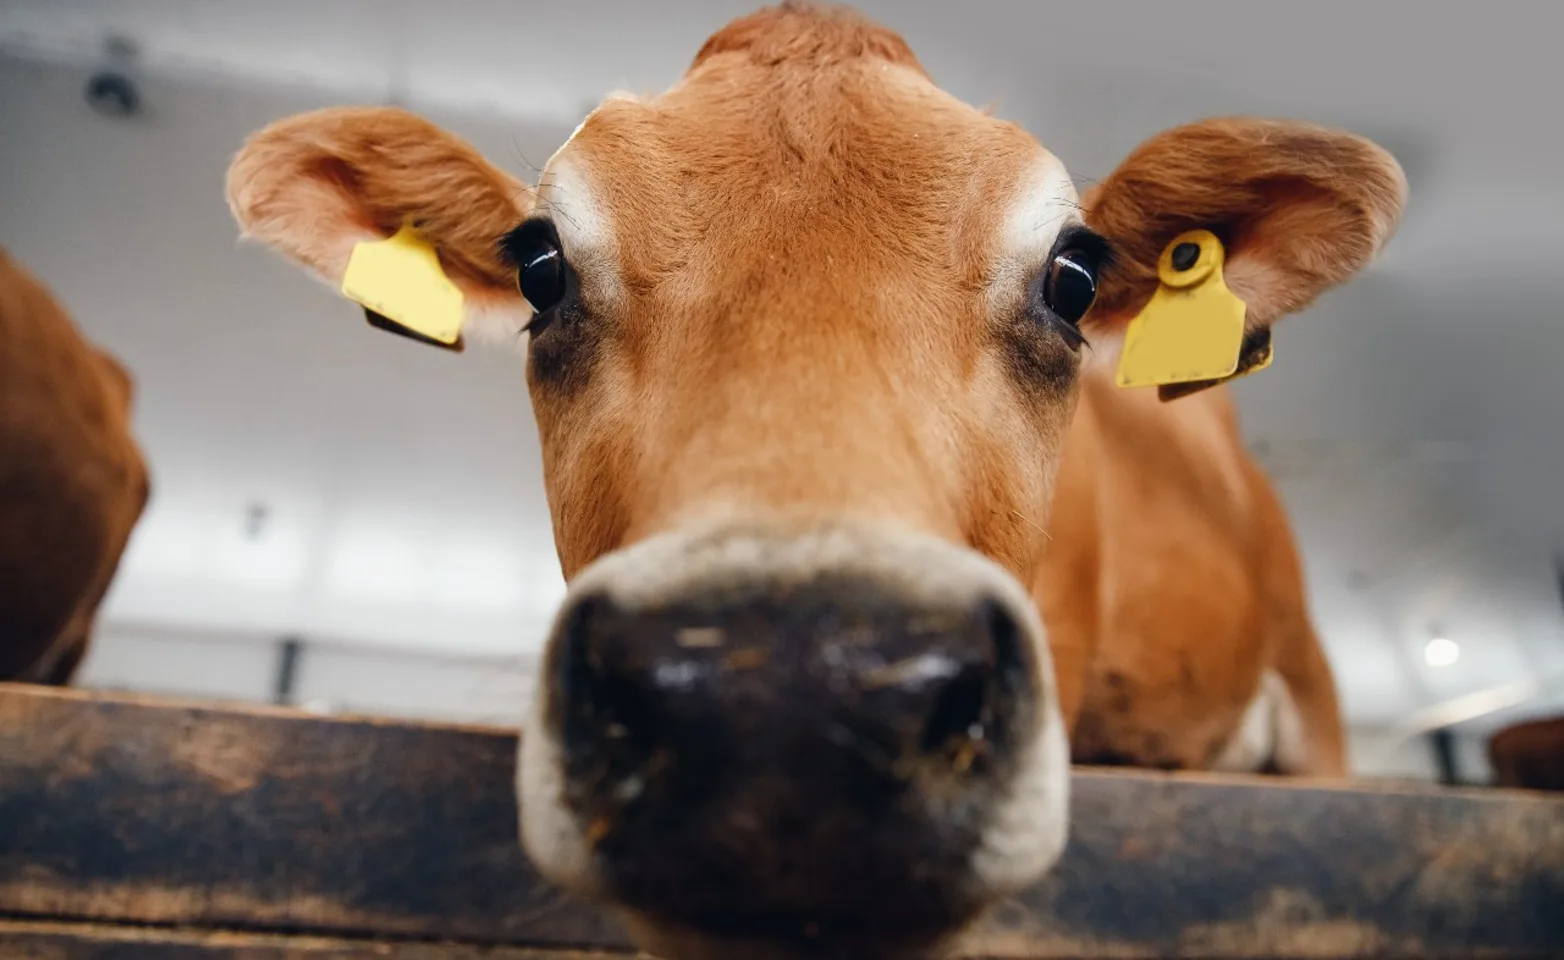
1173 594
1529 755
72 481
805 340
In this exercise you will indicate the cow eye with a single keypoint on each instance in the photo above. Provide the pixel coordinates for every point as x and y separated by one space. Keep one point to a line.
533 248
1071 285
541 276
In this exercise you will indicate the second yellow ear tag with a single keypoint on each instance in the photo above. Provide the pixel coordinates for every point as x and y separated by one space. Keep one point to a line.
1193 326
401 280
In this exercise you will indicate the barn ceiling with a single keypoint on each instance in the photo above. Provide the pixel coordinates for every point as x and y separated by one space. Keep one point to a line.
1411 418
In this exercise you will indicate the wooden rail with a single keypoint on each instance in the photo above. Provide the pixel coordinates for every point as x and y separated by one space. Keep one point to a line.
133 828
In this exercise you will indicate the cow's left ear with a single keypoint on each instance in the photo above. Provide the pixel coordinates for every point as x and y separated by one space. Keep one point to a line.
1298 209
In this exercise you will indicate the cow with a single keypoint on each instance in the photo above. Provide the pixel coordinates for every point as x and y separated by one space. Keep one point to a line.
805 338
1529 755
1173 594
73 481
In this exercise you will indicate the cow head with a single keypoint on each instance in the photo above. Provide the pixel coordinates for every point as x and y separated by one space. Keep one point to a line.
802 339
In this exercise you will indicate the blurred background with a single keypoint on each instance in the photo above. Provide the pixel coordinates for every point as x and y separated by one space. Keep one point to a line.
347 521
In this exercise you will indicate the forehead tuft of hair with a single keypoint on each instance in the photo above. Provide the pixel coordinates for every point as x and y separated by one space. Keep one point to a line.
812 33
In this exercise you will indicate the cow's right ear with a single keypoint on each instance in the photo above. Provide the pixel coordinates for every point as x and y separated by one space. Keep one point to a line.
315 185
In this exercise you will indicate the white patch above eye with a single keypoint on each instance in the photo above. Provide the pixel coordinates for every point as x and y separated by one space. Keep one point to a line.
566 196
1045 203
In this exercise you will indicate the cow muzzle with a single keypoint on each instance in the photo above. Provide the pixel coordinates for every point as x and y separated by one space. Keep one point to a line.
844 738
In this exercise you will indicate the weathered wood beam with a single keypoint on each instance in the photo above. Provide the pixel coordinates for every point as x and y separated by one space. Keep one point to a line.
29 940
120 811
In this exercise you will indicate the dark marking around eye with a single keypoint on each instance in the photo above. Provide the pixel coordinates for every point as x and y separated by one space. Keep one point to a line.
1042 364
1042 344
564 338
562 353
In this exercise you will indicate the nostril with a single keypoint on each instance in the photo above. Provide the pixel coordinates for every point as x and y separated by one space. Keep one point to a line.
622 710
1006 636
959 713
974 710
608 714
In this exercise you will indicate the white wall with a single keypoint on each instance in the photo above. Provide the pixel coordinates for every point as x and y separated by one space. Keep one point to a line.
493 689
1371 752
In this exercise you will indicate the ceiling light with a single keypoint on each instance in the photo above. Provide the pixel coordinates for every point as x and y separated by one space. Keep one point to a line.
1441 652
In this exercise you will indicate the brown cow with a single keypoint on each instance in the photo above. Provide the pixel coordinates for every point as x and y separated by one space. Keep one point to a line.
72 481
1173 596
804 344
1529 755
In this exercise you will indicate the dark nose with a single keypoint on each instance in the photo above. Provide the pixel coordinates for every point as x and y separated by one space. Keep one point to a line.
762 752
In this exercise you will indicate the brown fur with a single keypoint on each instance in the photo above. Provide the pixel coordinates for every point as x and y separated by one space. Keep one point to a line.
1529 755
1305 206
808 321
72 481
1172 582
809 33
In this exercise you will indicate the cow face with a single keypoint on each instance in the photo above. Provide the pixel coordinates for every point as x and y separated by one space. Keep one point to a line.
802 339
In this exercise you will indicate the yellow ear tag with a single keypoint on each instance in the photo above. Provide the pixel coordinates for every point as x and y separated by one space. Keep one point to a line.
400 279
1193 326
